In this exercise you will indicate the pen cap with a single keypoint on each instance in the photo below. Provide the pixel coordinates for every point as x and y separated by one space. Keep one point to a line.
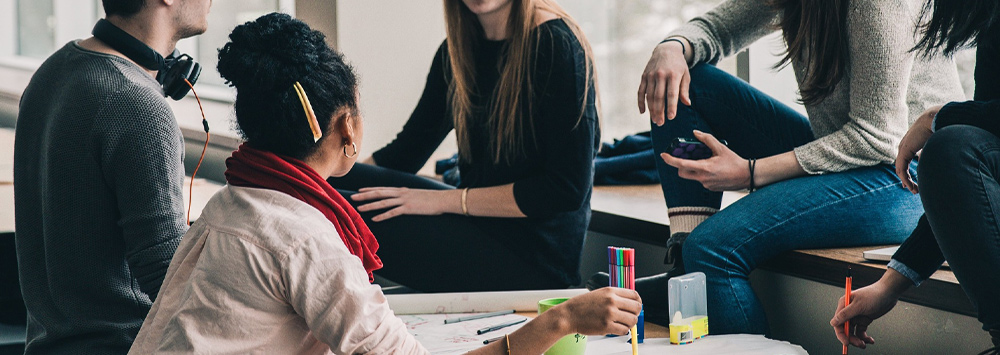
621 267
687 294
641 325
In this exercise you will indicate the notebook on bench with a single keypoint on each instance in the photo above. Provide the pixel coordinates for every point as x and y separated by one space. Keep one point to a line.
884 254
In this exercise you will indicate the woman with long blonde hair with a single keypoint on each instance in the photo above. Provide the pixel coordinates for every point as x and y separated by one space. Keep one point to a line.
514 79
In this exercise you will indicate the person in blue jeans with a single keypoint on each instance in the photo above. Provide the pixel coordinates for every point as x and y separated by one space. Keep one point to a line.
819 180
959 170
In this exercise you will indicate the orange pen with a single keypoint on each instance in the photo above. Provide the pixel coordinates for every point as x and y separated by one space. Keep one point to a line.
847 302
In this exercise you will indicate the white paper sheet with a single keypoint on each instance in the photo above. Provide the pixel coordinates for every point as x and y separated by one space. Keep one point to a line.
737 344
455 338
474 302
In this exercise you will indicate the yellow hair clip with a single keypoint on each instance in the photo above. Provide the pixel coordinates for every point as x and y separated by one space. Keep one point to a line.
310 115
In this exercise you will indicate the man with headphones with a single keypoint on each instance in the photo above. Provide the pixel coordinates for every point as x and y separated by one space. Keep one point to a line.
98 174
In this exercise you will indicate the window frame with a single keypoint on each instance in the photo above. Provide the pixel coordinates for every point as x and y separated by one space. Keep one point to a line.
11 60
16 71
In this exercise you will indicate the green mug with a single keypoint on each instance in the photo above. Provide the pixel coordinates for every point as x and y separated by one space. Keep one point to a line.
573 344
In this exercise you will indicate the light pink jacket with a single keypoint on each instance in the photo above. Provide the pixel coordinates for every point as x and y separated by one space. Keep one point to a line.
264 273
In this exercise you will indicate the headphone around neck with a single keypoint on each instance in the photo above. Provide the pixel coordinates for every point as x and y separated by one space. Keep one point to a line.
171 71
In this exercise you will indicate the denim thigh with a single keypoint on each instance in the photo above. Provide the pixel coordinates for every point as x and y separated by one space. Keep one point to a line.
863 206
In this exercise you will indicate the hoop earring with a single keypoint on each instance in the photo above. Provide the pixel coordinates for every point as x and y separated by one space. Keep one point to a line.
355 146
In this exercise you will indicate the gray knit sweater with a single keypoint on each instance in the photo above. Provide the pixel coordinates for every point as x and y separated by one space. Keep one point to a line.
98 206
885 89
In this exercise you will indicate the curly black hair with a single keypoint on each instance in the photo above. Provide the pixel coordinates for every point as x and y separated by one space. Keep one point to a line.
262 60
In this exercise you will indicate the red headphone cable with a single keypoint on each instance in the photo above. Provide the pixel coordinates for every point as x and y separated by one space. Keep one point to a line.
204 122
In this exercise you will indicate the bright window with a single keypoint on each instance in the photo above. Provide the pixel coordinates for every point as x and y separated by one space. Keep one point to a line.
35 28
623 34
42 26
31 30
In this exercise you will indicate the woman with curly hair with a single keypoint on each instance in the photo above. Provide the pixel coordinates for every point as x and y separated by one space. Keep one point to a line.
279 262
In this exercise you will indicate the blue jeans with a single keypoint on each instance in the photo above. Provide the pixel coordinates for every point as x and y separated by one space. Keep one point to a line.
863 206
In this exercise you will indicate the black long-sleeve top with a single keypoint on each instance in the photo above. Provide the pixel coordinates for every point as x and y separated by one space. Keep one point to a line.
920 252
553 179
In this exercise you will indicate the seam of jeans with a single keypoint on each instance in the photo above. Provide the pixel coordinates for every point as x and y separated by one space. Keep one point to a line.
730 253
991 215
982 183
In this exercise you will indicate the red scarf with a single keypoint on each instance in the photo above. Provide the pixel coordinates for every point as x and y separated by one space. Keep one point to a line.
249 167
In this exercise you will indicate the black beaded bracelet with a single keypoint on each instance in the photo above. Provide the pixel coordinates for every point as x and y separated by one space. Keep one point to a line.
683 51
753 164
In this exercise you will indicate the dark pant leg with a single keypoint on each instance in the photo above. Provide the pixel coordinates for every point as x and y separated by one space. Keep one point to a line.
446 253
958 185
12 309
754 124
364 175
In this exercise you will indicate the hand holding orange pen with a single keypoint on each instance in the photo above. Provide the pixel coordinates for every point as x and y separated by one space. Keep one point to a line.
847 302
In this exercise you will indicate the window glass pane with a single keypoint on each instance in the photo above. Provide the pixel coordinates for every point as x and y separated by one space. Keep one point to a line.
36 28
225 15
623 34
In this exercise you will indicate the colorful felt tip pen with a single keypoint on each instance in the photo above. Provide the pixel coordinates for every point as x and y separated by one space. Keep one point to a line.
847 302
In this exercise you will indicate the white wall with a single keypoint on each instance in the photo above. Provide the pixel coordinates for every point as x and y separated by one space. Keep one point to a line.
391 44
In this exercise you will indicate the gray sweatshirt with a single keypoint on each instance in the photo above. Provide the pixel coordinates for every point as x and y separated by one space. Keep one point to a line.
885 89
98 206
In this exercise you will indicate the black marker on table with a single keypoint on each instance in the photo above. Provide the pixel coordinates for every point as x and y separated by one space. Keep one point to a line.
478 316
500 326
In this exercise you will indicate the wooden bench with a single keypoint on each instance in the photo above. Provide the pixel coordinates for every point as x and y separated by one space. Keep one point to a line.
639 213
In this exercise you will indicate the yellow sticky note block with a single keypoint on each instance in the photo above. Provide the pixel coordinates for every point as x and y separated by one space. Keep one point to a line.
686 330
699 324
681 334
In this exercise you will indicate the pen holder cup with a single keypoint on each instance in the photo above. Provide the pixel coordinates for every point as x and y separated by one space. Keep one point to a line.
573 344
